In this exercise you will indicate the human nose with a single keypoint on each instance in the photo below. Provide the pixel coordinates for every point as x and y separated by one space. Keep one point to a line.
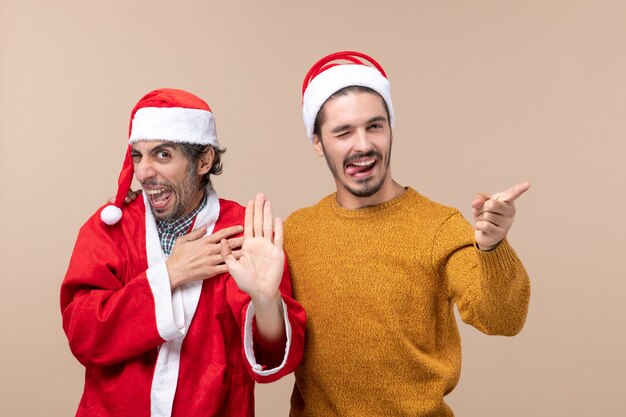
144 169
362 142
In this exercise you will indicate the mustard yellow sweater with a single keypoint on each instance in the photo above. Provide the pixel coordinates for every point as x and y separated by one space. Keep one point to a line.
378 285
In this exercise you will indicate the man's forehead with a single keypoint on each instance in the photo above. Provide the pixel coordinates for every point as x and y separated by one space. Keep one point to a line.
355 105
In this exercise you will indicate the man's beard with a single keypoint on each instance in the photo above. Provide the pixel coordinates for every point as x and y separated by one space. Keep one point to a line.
370 186
184 195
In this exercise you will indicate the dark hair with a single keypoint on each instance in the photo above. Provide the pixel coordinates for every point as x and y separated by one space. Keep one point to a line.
320 118
194 152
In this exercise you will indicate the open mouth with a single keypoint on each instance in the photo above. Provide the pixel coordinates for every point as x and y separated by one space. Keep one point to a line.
159 197
361 168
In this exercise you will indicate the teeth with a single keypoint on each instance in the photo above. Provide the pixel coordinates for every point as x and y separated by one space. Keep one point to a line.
152 192
363 163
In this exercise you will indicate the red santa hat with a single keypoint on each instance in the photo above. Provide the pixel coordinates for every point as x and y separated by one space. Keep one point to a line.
336 71
165 114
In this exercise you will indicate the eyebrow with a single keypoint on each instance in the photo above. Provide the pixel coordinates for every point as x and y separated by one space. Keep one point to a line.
164 145
377 119
348 126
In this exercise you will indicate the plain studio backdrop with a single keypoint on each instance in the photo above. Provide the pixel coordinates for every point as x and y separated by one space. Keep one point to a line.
487 94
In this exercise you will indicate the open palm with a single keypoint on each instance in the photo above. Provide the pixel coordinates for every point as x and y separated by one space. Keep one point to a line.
259 270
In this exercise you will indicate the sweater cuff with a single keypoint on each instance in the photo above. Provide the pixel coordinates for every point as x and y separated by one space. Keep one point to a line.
248 342
501 258
168 306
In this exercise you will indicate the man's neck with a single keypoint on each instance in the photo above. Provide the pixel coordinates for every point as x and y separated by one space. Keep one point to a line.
197 200
198 203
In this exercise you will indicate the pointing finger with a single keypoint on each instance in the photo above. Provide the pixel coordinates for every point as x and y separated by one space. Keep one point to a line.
514 192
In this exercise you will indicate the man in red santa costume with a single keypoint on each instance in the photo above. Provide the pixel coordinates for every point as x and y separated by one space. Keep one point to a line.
165 317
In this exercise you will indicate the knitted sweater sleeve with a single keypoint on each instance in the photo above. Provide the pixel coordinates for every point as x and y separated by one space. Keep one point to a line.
490 289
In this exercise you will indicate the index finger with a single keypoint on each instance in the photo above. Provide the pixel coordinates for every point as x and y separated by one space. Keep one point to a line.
194 234
514 192
247 222
225 233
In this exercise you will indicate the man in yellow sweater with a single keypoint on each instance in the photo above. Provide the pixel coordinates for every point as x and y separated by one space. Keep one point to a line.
378 267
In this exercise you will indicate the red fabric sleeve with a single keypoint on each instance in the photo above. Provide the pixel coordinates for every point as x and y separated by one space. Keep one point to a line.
240 301
107 305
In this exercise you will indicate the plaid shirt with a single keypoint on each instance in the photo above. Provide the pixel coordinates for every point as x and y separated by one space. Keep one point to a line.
170 231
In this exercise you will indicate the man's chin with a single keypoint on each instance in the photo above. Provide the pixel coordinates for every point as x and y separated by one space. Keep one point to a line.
365 190
364 193
166 215
366 187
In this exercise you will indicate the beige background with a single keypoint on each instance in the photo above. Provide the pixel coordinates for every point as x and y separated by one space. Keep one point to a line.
487 93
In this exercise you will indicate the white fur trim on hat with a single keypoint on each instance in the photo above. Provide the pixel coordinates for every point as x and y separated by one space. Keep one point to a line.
174 124
334 79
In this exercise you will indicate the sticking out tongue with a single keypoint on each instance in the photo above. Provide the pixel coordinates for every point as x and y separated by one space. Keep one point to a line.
359 167
159 200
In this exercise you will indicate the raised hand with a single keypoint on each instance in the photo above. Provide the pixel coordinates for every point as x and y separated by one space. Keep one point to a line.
493 215
196 257
259 270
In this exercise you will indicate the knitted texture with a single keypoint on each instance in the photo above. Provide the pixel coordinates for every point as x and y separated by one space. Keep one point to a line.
378 285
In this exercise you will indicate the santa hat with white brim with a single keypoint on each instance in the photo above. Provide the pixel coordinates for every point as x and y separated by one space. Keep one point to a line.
336 71
168 115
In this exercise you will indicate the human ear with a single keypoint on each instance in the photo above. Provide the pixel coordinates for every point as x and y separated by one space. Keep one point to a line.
317 145
206 161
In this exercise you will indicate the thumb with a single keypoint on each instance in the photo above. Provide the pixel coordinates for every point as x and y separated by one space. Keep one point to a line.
227 254
479 199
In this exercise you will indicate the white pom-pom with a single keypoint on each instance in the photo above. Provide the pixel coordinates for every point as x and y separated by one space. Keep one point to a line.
111 214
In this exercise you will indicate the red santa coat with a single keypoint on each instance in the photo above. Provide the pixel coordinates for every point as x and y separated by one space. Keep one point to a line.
149 351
